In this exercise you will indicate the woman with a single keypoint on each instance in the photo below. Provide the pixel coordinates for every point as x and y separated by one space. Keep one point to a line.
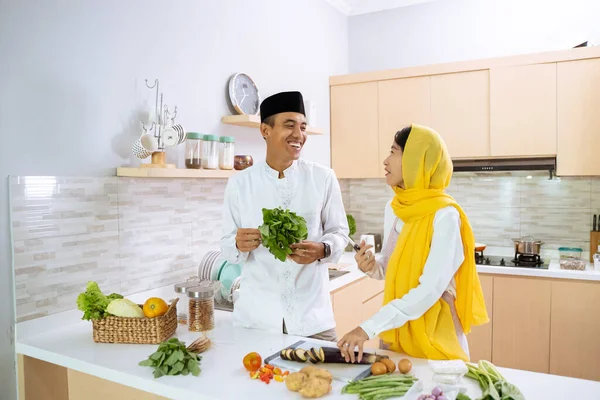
432 294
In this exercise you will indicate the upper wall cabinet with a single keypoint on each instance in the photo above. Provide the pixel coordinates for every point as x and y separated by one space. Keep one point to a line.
354 144
578 149
401 103
460 112
523 110
531 105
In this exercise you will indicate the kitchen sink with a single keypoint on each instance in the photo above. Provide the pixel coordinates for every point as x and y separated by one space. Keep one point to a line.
334 273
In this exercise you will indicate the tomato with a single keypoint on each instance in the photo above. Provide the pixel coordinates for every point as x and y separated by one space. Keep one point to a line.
252 361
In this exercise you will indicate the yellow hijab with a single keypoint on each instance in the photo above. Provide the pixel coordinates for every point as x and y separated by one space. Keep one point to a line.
427 171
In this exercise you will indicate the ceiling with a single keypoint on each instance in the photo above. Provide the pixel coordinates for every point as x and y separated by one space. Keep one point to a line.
358 7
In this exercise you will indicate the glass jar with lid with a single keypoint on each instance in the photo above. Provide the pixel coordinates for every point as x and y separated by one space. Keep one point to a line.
210 153
182 304
201 307
193 150
226 152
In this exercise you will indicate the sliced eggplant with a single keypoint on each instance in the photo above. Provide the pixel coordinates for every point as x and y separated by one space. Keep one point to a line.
311 357
314 355
289 354
300 355
321 355
282 354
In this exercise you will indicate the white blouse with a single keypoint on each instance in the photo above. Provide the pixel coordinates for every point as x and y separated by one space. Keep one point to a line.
271 290
445 257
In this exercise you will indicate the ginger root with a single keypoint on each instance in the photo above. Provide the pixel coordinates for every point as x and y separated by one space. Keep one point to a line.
295 380
310 382
315 387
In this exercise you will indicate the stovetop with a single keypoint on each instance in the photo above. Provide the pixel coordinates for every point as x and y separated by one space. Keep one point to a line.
499 261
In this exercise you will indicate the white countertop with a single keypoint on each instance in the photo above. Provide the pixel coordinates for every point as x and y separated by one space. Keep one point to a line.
553 271
66 340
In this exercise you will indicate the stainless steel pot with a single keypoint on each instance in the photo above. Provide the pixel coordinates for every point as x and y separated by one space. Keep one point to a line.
528 245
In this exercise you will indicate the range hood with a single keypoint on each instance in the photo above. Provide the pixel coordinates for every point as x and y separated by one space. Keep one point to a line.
506 165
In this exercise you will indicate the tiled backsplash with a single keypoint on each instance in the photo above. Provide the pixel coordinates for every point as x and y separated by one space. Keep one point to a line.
127 234
135 234
557 211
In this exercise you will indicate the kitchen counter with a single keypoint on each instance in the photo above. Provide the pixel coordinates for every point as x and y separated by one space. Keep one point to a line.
65 340
553 271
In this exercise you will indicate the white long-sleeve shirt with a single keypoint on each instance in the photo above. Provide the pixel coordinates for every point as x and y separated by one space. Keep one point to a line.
446 255
271 290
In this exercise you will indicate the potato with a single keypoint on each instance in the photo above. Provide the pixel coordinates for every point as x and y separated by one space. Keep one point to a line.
379 368
295 381
389 364
404 366
315 387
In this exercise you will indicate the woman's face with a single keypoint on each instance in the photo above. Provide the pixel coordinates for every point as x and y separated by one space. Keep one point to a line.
393 167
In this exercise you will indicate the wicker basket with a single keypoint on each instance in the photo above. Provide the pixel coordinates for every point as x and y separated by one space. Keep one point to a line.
136 330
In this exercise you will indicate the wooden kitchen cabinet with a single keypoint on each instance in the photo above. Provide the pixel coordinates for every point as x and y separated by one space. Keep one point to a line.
578 98
369 308
460 112
354 134
521 328
345 306
523 110
575 344
401 103
480 338
356 302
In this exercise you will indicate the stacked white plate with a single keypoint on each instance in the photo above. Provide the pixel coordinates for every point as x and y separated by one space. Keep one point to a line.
210 265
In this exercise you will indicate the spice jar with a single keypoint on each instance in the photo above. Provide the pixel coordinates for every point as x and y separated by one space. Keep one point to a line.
226 146
210 152
201 307
193 150
181 291
241 162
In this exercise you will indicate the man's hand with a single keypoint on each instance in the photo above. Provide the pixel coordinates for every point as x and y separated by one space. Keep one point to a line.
247 240
355 338
307 252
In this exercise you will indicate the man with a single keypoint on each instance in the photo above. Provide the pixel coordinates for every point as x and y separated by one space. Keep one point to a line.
291 296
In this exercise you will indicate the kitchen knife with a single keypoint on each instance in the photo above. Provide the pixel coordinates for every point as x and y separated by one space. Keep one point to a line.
354 245
594 224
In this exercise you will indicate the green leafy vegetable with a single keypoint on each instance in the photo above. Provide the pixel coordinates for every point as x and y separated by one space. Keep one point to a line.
93 302
173 358
351 224
280 229
493 385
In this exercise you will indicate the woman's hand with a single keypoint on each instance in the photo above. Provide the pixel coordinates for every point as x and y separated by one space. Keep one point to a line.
365 258
352 339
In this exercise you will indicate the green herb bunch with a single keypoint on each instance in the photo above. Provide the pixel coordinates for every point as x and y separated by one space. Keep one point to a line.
280 229
173 358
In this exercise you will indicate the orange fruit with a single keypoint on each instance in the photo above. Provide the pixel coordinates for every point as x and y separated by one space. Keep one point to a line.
155 307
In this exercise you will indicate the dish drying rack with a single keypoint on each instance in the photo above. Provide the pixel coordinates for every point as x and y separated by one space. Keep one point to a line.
162 116
207 271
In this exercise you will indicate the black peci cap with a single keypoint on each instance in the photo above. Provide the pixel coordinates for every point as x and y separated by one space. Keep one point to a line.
280 103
